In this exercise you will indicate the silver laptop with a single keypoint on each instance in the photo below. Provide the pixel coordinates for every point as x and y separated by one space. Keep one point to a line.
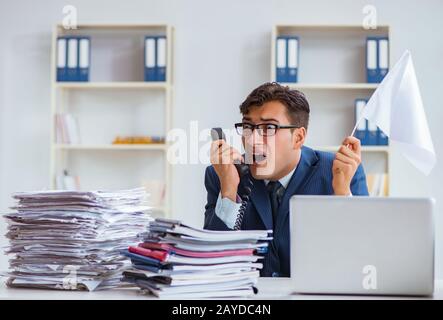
362 245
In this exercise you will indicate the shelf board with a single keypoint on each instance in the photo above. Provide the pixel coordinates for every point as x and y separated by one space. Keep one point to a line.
159 146
332 86
363 148
112 85
331 27
129 26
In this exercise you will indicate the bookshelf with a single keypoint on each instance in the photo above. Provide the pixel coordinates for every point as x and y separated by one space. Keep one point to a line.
332 74
113 85
116 101
111 147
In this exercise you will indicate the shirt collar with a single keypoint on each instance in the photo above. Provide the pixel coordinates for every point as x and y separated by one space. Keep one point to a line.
285 180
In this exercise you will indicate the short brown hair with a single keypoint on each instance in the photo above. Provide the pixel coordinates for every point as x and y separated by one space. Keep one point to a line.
297 106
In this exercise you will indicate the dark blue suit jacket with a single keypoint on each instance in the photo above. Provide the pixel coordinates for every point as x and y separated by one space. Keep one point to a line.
313 176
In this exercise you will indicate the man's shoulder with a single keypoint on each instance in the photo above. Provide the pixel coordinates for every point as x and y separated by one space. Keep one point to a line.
323 157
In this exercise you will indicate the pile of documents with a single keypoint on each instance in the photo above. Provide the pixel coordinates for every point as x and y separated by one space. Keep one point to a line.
72 240
177 261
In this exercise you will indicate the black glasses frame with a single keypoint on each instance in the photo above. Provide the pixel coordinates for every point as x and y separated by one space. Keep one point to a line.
261 131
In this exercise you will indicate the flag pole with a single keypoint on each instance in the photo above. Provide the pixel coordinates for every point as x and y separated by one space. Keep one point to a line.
356 124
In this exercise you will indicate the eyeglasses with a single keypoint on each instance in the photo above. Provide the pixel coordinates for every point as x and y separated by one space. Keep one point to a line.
263 129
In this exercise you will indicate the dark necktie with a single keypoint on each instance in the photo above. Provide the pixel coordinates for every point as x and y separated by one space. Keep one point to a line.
276 191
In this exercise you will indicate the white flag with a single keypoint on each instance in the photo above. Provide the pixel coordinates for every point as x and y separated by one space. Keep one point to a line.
397 109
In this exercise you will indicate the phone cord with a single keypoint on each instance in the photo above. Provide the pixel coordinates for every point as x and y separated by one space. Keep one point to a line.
244 204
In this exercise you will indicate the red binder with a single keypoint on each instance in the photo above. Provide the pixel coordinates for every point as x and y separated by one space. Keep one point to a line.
156 254
196 254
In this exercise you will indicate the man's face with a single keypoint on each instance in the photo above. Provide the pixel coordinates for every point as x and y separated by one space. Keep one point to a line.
275 153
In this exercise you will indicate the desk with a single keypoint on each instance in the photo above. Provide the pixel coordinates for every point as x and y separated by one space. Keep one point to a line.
269 288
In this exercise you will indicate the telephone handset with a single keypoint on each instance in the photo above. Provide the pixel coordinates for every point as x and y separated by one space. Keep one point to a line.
245 178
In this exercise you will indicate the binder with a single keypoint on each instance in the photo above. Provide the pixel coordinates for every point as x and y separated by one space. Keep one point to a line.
382 138
61 59
372 135
170 249
361 131
161 58
72 70
139 259
280 59
84 57
383 58
292 57
150 69
371 60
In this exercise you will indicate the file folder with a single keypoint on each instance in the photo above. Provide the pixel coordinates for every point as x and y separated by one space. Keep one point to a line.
281 58
361 131
292 56
139 259
168 248
161 58
383 58
72 71
372 135
150 69
382 138
84 57
61 59
371 60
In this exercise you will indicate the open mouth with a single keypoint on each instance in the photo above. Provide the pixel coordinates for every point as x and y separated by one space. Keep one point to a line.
259 158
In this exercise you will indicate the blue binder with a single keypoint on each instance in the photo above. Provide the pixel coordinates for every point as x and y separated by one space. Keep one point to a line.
84 58
281 54
139 259
62 55
150 59
382 58
372 135
361 132
372 60
292 56
382 138
161 57
72 59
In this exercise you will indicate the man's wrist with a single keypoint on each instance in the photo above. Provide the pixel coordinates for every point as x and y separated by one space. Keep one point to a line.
342 192
230 193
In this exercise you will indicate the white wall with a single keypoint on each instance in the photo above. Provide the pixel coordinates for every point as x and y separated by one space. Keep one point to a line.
222 52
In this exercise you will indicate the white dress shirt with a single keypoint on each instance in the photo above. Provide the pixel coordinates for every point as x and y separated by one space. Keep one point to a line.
227 210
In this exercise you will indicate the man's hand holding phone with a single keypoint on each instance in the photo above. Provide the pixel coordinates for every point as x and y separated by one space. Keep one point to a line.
223 157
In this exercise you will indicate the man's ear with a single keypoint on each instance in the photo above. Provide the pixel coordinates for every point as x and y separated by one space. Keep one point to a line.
298 137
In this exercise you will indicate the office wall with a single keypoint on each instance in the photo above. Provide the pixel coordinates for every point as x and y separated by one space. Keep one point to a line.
222 52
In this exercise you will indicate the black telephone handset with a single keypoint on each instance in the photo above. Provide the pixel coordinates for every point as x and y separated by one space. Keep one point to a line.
245 178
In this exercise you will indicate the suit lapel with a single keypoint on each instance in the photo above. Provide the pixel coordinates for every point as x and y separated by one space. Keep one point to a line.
260 198
306 167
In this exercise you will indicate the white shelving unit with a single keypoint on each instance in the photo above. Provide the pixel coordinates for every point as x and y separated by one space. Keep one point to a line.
332 86
112 85
332 75
117 91
376 149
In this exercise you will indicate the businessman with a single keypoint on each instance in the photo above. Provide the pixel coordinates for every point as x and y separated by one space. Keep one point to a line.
273 130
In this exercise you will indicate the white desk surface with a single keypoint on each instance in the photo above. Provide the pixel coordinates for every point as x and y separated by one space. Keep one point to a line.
269 288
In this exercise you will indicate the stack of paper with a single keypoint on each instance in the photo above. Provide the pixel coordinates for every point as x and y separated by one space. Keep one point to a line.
72 240
177 261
